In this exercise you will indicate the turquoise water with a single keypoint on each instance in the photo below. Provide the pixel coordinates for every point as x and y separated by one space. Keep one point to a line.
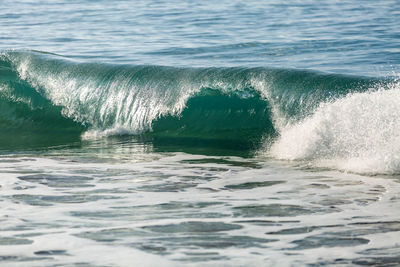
185 133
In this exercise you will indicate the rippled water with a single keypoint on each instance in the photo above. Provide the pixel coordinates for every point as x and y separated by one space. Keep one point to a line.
338 36
100 207
127 201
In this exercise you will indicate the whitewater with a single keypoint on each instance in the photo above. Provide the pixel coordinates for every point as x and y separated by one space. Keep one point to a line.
177 133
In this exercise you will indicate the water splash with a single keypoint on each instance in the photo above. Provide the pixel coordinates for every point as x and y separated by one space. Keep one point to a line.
359 133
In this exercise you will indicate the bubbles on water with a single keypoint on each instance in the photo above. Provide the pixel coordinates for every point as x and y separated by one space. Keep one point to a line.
254 210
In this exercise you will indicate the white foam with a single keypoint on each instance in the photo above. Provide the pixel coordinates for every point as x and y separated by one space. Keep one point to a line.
358 133
94 134
133 195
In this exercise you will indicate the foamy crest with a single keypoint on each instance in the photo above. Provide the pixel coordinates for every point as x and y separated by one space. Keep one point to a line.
358 133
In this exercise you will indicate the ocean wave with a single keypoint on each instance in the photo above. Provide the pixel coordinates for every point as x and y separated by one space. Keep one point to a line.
47 99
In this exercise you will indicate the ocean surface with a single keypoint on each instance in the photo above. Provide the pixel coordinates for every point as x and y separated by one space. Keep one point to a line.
199 133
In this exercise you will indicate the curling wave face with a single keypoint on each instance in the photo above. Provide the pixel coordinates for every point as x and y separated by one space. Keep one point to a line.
47 100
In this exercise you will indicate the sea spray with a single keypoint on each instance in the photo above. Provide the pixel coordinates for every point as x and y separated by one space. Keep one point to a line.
360 132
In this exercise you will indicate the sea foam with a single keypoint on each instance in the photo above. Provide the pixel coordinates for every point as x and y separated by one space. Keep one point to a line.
358 133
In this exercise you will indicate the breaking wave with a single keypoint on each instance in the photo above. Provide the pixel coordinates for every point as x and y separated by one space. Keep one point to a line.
347 122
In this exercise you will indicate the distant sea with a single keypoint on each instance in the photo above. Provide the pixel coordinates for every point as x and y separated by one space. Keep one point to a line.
199 133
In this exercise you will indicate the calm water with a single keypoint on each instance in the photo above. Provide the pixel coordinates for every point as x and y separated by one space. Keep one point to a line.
339 36
176 133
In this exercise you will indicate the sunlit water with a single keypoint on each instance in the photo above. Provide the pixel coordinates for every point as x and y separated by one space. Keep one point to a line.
327 193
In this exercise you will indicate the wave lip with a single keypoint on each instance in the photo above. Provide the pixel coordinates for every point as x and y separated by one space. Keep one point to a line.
358 133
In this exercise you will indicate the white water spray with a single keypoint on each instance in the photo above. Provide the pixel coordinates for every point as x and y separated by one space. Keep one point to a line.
358 133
